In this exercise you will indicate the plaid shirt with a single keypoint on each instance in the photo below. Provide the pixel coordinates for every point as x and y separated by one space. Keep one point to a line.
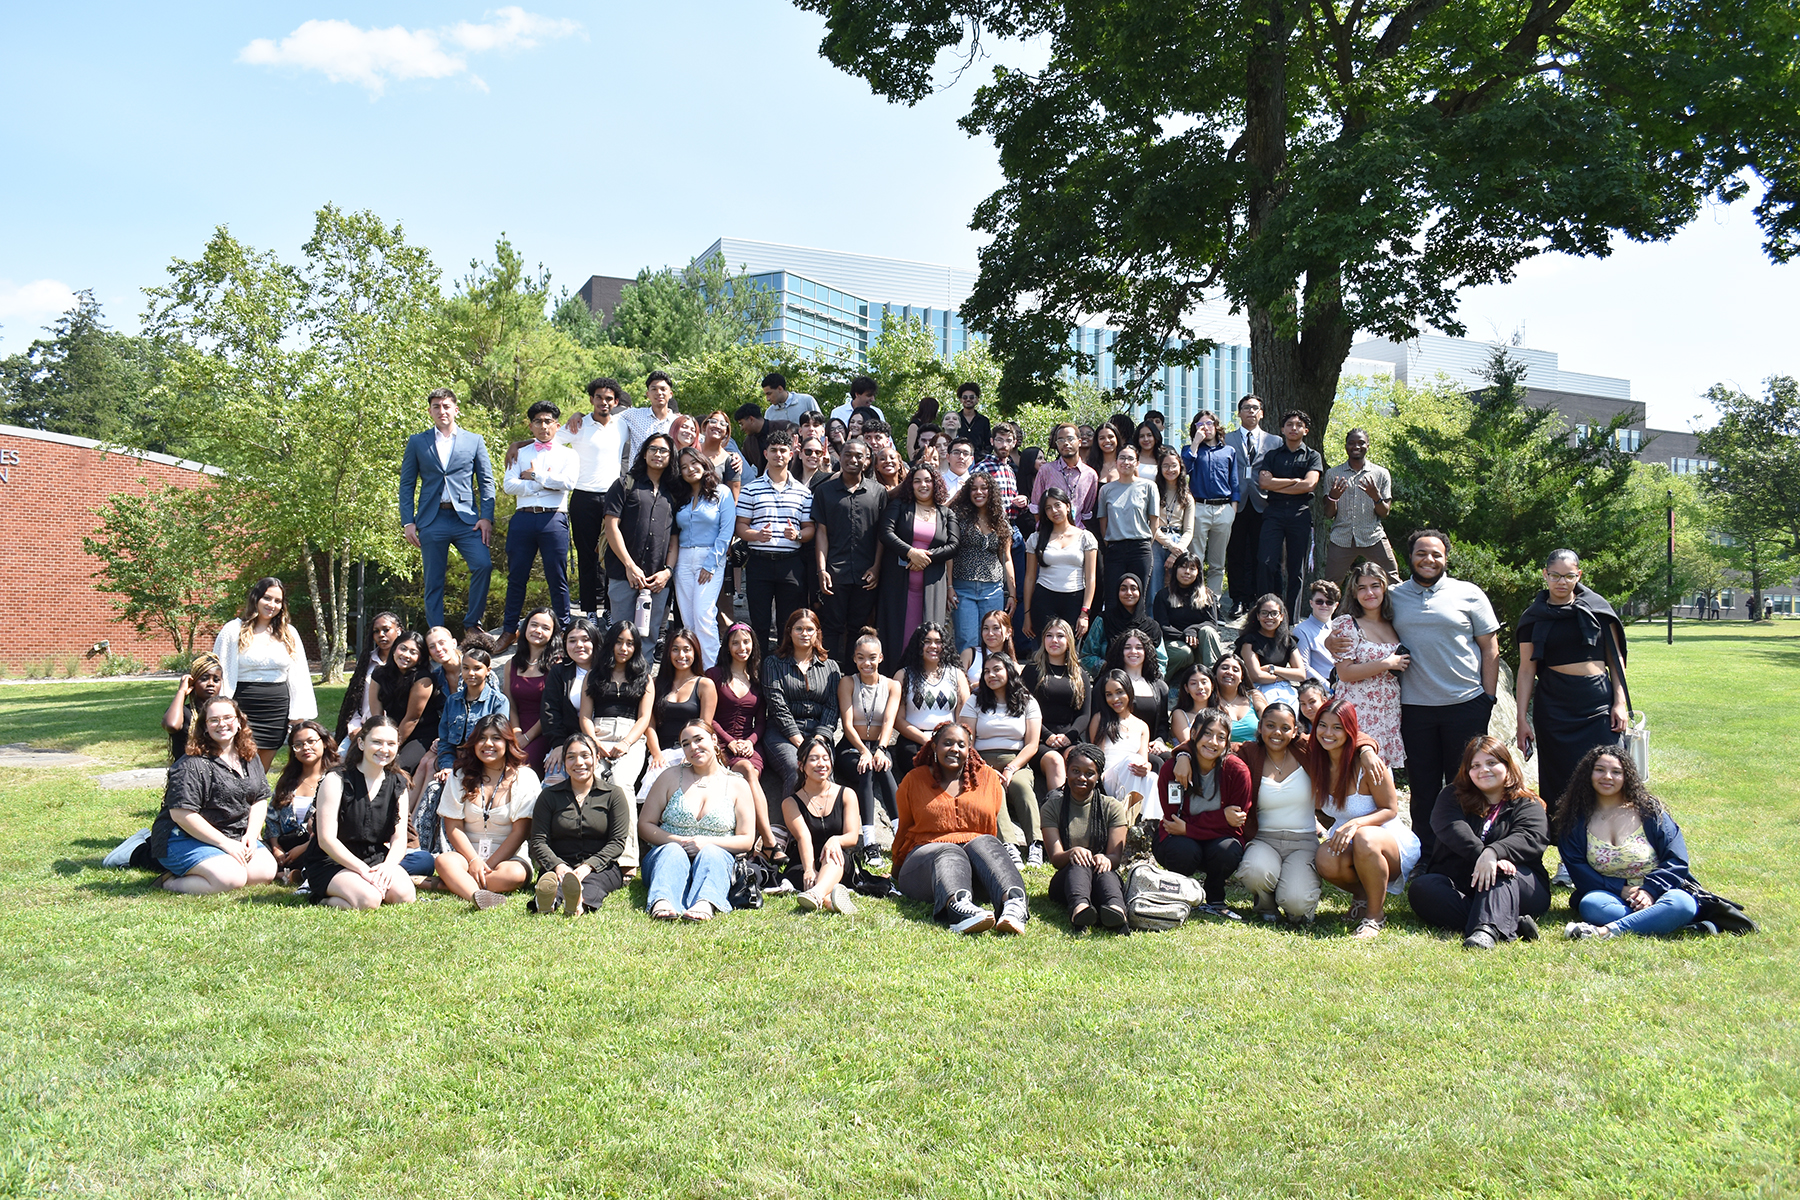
1083 489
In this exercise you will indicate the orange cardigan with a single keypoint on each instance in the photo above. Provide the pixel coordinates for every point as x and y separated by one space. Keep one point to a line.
930 814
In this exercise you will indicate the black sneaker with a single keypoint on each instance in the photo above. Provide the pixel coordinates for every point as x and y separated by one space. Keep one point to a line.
873 859
964 917
1528 929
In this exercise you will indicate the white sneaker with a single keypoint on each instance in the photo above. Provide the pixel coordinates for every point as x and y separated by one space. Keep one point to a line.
1013 915
1035 856
121 854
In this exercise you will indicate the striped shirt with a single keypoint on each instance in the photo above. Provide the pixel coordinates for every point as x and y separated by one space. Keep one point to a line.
771 506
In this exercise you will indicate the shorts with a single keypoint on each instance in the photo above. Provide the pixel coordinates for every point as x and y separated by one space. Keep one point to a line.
185 852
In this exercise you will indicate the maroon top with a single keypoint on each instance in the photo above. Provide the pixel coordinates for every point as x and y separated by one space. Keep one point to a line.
527 697
1207 823
737 718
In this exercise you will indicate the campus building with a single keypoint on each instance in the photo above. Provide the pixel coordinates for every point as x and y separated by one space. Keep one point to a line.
1584 401
834 302
51 615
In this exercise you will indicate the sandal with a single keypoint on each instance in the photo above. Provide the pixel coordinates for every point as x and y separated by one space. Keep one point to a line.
702 911
1359 909
663 911
1368 930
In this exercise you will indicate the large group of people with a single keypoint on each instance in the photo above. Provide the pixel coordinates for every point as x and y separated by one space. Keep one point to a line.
1013 658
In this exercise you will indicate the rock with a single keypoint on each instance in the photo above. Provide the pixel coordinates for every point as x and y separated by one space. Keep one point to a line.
19 754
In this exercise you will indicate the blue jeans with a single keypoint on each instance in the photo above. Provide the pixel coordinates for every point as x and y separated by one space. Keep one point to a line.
418 862
435 540
530 535
975 600
1673 909
185 852
684 881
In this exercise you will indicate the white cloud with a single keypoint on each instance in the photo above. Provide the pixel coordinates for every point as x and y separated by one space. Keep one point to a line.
346 53
25 308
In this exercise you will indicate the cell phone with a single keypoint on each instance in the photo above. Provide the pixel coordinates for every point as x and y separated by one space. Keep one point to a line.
1401 649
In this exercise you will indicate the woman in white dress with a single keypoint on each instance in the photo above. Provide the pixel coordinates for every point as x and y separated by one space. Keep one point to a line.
1369 851
1125 740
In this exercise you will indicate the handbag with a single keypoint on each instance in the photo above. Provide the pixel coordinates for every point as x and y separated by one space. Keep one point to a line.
750 875
1727 916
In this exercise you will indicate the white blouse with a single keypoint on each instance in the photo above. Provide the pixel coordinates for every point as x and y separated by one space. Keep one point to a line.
266 660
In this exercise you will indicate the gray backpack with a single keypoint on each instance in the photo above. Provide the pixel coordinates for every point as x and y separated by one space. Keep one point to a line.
1159 899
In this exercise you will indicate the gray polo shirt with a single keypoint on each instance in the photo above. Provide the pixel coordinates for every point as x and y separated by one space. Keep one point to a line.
1439 625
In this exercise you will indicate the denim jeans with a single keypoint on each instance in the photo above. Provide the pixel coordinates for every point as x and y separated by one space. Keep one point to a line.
621 605
684 881
975 600
1673 909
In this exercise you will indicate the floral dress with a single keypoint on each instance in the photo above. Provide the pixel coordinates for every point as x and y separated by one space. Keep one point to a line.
1377 698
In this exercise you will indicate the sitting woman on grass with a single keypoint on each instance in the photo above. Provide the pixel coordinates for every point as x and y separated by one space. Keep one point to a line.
1280 867
1485 877
213 807
1084 839
579 826
946 844
1368 851
1006 723
1625 854
1205 818
287 830
821 819
1124 739
360 827
404 691
486 809
696 817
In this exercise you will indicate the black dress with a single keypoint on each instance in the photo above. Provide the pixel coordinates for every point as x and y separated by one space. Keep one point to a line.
1571 714
669 715
365 827
821 830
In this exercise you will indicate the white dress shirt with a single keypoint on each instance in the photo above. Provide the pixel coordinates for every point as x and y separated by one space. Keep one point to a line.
597 449
445 444
554 470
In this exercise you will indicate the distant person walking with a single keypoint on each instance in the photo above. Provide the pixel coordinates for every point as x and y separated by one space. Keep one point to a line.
447 499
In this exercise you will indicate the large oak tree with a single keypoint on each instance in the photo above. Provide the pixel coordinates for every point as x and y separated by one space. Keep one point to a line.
1331 167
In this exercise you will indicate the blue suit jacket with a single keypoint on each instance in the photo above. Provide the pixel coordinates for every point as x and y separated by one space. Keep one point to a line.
422 479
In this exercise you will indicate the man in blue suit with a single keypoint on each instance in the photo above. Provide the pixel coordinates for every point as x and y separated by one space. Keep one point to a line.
448 469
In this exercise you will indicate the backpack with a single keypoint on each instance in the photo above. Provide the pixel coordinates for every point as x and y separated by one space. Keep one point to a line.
1159 899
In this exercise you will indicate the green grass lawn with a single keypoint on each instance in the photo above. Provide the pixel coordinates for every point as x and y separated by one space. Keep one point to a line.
252 1045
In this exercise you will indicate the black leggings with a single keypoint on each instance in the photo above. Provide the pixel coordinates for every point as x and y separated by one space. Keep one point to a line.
870 786
1216 858
1075 885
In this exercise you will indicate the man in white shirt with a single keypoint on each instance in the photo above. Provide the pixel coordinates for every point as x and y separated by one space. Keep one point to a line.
655 415
862 399
540 478
960 466
783 405
598 445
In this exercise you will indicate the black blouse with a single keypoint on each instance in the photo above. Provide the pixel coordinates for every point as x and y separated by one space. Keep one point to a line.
1055 696
220 794
800 703
591 833
1177 619
612 698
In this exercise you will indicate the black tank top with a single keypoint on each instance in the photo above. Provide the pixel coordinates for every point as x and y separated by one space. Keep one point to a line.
822 829
365 823
671 714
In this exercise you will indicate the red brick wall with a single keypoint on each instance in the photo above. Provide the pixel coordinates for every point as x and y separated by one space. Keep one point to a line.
49 607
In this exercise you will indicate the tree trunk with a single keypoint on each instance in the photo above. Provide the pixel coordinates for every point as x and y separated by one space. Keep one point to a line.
1755 584
318 605
340 621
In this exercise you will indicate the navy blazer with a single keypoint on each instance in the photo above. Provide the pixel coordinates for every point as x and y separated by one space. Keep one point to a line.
423 475
1665 840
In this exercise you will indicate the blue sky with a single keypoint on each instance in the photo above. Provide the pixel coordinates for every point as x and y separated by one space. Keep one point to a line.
607 137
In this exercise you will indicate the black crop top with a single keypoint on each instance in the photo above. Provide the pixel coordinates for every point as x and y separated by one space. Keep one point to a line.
1563 643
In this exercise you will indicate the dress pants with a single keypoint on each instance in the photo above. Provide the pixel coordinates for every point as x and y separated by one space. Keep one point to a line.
1212 536
843 612
1292 529
1241 556
1216 858
1434 736
1075 885
530 535
774 587
1339 560
1441 901
937 871
699 602
587 515
448 529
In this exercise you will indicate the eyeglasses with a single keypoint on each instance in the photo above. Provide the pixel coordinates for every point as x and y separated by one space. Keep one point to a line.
649 450
1571 577
1318 600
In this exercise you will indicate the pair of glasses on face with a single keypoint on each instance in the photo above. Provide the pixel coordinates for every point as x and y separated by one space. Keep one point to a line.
1571 577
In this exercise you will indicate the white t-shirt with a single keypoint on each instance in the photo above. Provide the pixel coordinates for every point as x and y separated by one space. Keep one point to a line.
488 827
1065 569
999 729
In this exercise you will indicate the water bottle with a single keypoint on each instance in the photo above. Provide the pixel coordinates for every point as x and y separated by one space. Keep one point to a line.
643 613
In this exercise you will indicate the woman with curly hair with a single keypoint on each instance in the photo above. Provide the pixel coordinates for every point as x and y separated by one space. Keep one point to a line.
1625 854
213 807
1006 725
932 692
486 809
921 535
1485 875
981 574
1084 839
946 848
